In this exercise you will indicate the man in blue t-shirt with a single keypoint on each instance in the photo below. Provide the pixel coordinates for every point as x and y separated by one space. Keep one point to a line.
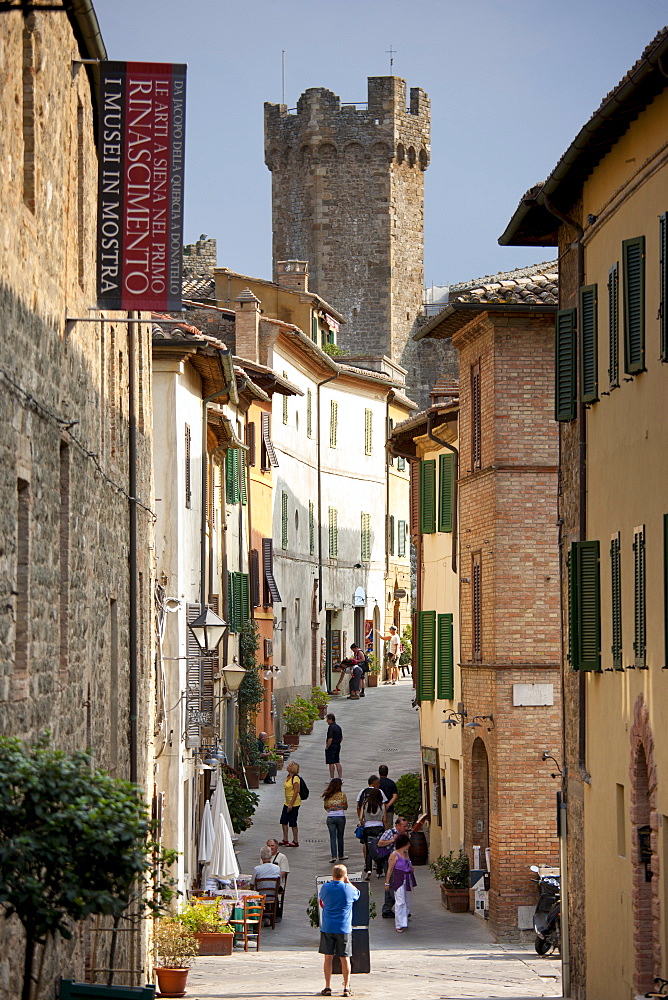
336 926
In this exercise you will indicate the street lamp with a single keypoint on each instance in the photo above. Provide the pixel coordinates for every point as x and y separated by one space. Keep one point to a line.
208 630
233 674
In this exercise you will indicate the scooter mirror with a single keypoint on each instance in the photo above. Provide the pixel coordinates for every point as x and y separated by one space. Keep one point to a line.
534 868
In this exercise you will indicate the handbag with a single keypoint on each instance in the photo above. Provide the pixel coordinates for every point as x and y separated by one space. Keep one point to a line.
359 832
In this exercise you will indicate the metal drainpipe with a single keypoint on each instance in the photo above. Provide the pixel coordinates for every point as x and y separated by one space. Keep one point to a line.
318 448
389 398
132 554
582 690
455 491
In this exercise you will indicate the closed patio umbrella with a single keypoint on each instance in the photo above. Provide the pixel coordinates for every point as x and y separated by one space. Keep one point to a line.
223 862
206 833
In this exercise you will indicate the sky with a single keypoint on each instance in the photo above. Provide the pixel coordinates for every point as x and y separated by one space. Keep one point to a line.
511 83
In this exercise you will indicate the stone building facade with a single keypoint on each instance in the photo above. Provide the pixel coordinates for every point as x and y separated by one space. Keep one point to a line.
67 663
509 579
348 197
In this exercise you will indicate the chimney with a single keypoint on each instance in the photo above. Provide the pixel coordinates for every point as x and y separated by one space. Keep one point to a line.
293 274
247 325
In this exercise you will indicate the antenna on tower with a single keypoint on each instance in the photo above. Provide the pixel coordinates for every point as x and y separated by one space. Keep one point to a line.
282 76
391 53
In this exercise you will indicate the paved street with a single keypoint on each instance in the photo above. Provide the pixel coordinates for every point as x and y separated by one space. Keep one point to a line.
442 955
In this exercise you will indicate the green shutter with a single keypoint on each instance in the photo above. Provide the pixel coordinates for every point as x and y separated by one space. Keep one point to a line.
391 534
613 326
588 605
564 389
244 595
428 496
368 425
285 402
333 533
616 601
311 527
242 477
232 490
639 597
401 538
663 286
426 654
572 608
314 327
589 344
333 423
231 606
366 538
446 483
284 520
633 272
309 413
445 658
237 587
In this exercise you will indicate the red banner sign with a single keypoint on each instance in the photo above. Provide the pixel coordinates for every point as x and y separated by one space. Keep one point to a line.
140 197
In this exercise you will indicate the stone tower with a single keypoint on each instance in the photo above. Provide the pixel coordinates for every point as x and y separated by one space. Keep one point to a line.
348 197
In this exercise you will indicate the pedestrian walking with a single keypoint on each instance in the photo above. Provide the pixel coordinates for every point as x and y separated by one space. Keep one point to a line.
385 846
291 792
333 742
390 791
401 879
393 654
335 803
336 926
371 812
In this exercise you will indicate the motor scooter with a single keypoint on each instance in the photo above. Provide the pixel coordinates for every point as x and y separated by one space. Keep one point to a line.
547 915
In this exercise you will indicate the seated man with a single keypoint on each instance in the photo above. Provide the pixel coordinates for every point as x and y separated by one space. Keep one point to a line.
265 870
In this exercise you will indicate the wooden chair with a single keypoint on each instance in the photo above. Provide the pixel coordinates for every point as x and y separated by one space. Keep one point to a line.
270 889
281 895
249 924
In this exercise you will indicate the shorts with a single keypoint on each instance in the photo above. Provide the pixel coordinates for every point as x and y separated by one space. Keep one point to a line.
340 945
289 816
332 755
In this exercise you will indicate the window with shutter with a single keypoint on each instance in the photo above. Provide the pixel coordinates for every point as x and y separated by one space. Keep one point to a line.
390 428
231 606
390 530
284 520
193 679
333 533
368 425
250 441
285 402
314 327
244 598
366 538
187 468
271 593
311 527
445 686
254 573
428 496
663 286
333 423
585 606
639 597
589 344
414 497
564 366
446 490
613 326
242 477
268 455
616 601
476 594
232 487
401 538
476 417
208 667
309 413
426 654
633 275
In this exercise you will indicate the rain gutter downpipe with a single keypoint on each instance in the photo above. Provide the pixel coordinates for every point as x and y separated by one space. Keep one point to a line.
455 493
132 553
319 467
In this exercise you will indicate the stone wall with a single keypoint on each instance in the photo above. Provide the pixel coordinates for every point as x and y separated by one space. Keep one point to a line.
200 258
64 623
348 197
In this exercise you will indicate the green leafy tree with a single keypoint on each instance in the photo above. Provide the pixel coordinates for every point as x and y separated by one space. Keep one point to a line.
406 646
240 801
73 842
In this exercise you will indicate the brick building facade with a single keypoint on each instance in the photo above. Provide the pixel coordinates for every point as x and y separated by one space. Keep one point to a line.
67 663
509 586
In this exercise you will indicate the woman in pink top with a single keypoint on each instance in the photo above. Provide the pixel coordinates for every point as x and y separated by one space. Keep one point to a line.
401 880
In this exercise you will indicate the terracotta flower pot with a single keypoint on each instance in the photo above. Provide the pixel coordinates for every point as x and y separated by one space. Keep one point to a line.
215 944
292 739
456 902
172 982
253 777
372 680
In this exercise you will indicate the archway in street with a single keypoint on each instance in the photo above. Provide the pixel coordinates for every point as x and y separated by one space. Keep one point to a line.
480 796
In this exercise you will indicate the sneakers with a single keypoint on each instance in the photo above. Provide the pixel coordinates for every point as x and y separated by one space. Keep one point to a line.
367 876
344 857
333 861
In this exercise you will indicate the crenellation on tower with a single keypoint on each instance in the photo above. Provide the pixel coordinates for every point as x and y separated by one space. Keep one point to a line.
348 197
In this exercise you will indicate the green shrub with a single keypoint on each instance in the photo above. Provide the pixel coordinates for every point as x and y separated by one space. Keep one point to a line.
409 802
241 803
452 870
296 720
204 918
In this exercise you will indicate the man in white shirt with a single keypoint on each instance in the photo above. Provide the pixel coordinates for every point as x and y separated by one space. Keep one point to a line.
279 858
393 654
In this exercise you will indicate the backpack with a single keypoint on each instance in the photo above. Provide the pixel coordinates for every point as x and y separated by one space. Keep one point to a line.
303 789
364 664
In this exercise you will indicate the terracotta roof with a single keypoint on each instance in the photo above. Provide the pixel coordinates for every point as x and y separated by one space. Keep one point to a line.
183 332
200 287
532 223
534 289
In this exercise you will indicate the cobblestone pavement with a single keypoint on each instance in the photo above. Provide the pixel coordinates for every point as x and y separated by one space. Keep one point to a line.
443 955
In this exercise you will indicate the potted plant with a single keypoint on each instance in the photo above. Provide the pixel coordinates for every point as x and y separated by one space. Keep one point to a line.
320 700
295 721
177 948
209 924
274 757
409 804
311 712
452 871
374 670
